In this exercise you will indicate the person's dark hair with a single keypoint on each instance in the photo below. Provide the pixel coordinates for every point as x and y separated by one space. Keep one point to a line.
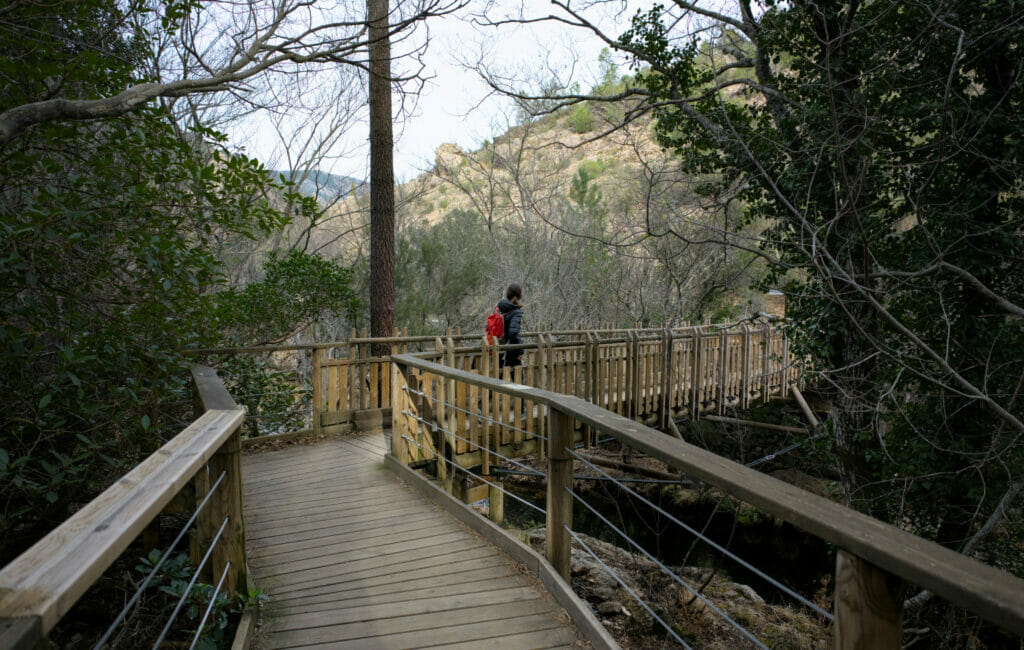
514 291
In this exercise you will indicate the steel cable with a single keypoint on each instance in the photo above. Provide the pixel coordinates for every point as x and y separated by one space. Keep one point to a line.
167 554
192 582
669 572
711 542
209 608
628 588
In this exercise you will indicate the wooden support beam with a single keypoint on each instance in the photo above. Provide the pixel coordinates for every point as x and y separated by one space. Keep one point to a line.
318 390
753 423
868 606
629 467
808 413
559 497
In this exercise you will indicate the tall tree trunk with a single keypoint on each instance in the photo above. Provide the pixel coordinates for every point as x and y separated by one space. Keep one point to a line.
382 181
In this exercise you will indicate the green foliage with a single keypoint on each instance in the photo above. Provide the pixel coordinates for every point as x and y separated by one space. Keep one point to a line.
441 272
581 119
296 290
112 236
911 166
274 399
172 579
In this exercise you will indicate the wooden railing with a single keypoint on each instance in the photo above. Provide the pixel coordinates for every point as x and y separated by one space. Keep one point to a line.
650 375
39 587
874 558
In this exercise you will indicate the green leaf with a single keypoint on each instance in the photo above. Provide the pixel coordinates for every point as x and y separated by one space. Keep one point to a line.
45 400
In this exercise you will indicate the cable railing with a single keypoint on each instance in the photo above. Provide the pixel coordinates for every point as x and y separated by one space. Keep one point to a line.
601 475
41 585
874 560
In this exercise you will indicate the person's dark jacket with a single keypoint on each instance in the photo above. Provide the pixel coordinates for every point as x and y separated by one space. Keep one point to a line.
513 317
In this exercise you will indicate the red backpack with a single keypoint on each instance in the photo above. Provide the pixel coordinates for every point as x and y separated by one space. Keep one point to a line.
495 327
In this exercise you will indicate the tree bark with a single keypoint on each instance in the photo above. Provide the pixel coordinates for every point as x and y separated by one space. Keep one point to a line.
382 185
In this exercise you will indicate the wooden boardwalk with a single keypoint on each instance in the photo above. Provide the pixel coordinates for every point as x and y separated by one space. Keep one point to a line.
351 558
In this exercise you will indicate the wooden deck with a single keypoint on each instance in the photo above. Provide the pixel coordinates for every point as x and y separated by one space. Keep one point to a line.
353 559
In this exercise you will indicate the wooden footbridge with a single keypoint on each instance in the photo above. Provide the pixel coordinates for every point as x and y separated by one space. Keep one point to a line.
356 547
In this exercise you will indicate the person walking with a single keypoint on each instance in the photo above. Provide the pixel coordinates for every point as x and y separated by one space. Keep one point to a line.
511 309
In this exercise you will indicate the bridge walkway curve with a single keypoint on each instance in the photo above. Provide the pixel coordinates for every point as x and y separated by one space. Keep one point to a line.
352 558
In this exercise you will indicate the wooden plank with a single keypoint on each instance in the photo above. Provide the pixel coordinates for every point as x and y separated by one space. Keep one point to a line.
373 397
367 530
488 565
285 554
47 579
333 388
455 625
303 563
397 565
210 390
514 598
267 535
533 638
329 510
400 593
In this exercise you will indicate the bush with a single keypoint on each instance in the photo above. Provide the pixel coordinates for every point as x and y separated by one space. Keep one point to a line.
581 120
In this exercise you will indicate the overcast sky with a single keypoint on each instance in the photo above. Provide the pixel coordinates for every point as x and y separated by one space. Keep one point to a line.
455 105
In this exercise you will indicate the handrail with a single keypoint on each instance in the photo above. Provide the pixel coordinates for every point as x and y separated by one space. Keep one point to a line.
993 594
42 584
655 333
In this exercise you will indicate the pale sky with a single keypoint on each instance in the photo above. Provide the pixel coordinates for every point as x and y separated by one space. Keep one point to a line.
455 105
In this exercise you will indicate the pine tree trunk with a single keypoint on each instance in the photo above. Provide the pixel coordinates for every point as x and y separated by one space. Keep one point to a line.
382 186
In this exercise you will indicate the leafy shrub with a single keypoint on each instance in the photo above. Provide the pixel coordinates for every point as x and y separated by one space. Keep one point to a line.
581 120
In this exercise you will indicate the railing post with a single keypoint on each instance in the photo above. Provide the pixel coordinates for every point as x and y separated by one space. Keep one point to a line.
228 503
400 401
633 408
485 407
318 390
495 500
698 373
667 378
868 605
745 390
723 369
559 498
541 375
